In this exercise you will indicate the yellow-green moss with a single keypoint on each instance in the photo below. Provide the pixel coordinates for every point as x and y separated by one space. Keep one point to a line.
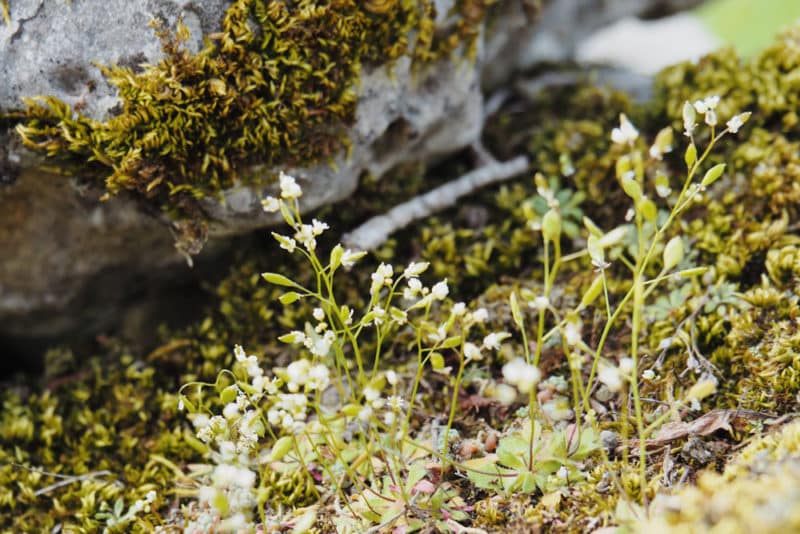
277 85
757 492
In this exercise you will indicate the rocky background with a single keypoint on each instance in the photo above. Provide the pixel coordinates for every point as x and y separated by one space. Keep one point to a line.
73 265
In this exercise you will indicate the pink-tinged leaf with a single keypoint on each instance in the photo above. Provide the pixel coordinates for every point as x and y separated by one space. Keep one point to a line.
423 486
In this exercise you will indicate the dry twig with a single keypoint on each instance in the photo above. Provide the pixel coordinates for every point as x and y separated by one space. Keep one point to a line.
377 230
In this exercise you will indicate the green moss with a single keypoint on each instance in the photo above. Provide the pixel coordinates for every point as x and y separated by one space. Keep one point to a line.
277 85
757 492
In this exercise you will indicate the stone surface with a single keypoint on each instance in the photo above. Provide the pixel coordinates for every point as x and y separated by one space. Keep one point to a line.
70 262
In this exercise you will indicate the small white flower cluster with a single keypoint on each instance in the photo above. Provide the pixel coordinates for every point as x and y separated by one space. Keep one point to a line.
305 234
319 341
708 108
491 341
231 494
290 190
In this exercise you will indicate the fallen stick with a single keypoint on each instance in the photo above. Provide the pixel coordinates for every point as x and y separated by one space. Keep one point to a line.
374 232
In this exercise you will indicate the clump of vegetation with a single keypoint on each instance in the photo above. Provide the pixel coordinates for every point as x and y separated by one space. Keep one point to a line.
757 491
582 387
277 85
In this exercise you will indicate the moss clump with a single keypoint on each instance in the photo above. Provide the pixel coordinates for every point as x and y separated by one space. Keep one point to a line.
276 85
768 84
757 492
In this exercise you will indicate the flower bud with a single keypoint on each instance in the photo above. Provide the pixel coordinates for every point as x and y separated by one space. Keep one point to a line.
551 225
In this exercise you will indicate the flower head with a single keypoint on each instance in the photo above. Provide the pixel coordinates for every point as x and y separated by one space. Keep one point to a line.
626 134
738 121
270 204
440 290
521 374
289 188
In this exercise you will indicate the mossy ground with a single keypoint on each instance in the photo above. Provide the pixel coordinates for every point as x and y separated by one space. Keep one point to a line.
115 415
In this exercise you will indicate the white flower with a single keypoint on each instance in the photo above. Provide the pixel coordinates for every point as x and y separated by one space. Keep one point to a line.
270 204
252 367
707 104
289 244
480 315
493 340
572 332
322 345
626 366
458 309
365 413
472 352
305 235
379 314
626 134
371 394
381 277
689 117
318 314
504 393
539 303
711 117
389 418
521 374
610 376
396 403
230 410
227 475
440 290
318 377
238 351
289 188
648 374
415 268
318 227
414 287
391 378
737 121
297 371
180 405
350 257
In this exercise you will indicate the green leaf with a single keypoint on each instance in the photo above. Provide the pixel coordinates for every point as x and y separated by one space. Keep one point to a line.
451 342
289 298
278 280
512 452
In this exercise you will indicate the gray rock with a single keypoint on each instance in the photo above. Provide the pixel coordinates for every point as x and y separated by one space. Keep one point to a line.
70 260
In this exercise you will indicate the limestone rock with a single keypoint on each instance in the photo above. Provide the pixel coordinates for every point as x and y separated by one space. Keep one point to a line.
67 255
